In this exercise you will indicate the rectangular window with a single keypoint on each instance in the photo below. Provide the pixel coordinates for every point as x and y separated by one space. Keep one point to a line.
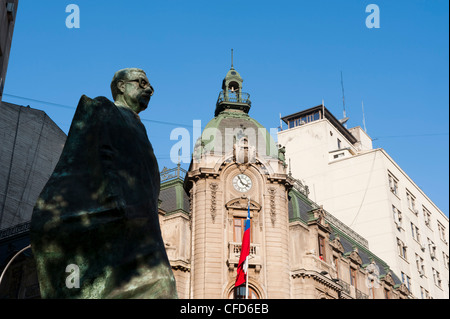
415 232
339 144
420 265
371 293
393 183
387 293
336 265
402 249
437 278
427 216
397 217
338 155
442 232
239 227
406 280
423 293
432 248
411 202
353 277
322 254
316 116
445 257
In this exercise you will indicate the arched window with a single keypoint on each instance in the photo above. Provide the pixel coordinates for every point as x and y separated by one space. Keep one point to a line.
233 87
239 293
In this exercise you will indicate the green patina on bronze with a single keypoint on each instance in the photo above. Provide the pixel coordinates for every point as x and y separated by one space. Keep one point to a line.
99 209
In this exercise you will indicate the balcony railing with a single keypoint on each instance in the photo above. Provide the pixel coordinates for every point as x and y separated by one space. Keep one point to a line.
361 295
345 286
298 185
15 230
173 173
234 252
234 97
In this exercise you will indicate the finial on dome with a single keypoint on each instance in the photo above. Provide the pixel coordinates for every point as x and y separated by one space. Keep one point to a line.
232 59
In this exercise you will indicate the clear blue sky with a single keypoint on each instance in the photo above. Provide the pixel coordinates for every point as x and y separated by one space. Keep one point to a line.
290 54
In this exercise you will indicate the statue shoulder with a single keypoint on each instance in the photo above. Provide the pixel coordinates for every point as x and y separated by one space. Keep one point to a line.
92 107
98 101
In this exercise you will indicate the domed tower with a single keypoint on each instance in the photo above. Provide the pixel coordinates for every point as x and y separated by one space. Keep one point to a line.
236 164
231 96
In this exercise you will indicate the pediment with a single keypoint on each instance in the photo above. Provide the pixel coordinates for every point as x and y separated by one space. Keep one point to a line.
403 289
317 216
242 203
389 280
355 257
337 245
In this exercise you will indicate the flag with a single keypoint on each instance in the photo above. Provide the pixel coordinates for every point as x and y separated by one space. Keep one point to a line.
245 252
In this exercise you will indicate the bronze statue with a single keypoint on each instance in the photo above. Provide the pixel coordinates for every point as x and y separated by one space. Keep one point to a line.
98 213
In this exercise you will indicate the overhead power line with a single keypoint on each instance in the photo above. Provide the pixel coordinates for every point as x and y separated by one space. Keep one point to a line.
73 108
412 135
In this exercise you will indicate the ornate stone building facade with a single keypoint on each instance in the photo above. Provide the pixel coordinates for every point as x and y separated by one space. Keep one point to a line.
298 250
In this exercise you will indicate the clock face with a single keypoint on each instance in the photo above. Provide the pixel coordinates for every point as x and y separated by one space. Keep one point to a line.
242 183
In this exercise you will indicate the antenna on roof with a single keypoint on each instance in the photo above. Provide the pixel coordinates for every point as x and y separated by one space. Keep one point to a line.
343 95
364 118
323 109
345 119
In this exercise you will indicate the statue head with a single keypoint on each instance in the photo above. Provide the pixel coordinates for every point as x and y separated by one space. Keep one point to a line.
131 87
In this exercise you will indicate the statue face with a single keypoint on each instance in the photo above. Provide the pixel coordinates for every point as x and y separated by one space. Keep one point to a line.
137 91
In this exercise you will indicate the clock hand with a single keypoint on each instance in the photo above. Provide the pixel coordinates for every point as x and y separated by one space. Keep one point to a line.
245 184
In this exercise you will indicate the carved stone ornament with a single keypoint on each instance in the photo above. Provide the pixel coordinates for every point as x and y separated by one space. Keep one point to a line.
191 203
389 280
337 245
403 289
214 187
272 192
243 167
373 269
354 256
242 203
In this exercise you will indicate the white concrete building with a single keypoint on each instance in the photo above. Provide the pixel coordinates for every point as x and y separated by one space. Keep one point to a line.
367 190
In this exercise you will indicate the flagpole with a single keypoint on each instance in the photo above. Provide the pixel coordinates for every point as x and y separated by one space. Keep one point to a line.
246 277
246 283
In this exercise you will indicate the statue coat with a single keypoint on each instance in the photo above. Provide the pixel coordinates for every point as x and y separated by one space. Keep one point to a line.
99 211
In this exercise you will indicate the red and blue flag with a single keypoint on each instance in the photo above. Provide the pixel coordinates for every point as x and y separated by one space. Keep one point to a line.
242 268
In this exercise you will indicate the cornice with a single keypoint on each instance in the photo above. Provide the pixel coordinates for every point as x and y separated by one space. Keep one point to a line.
312 274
